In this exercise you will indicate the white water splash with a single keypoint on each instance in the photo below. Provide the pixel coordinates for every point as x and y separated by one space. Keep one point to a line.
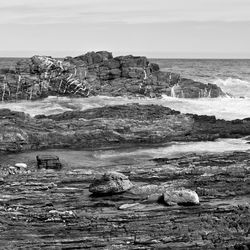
235 87
209 94
222 108
173 92
145 75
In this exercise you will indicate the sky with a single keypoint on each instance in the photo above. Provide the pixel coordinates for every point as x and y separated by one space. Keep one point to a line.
155 28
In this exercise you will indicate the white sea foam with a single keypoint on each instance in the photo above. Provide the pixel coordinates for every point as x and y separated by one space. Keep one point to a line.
222 108
234 86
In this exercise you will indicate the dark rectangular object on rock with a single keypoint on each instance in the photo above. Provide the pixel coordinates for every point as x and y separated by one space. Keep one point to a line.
48 162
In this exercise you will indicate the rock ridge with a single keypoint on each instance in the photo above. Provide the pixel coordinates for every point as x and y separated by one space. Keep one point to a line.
112 126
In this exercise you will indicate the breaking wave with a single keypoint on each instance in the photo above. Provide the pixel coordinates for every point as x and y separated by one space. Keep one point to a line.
234 86
222 108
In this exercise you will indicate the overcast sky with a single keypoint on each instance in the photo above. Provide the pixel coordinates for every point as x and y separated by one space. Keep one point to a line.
156 28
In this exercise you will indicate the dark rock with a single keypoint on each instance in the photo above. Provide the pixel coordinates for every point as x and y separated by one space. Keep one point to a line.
133 61
192 89
110 183
168 79
96 73
112 126
95 57
8 114
48 162
154 67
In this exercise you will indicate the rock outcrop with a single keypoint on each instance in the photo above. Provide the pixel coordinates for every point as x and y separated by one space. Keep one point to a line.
96 73
112 126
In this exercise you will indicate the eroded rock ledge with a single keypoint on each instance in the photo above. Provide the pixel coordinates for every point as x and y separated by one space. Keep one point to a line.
112 126
96 73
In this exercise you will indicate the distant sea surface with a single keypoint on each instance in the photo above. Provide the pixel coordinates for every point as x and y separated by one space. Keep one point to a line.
232 75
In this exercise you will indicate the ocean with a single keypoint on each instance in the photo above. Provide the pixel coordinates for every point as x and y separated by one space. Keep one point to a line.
233 76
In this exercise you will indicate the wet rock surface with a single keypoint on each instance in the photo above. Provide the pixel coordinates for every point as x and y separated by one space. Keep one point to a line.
54 209
112 126
96 73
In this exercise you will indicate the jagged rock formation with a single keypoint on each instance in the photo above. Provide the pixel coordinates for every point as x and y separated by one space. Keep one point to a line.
112 126
96 73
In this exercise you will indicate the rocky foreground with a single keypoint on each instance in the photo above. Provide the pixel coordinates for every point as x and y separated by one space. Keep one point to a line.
111 126
96 73
46 209
195 201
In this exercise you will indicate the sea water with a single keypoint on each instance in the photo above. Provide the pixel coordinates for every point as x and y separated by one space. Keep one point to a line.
233 76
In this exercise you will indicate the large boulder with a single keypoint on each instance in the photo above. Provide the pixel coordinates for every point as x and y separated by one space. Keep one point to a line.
110 183
180 197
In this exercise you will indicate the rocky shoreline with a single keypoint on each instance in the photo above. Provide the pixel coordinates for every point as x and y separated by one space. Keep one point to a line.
190 201
112 126
96 73
54 209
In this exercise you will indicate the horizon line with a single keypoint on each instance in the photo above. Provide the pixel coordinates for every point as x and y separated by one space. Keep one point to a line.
150 55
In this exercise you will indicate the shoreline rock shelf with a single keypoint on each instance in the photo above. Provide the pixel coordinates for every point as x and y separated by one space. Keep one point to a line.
53 209
111 126
96 73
